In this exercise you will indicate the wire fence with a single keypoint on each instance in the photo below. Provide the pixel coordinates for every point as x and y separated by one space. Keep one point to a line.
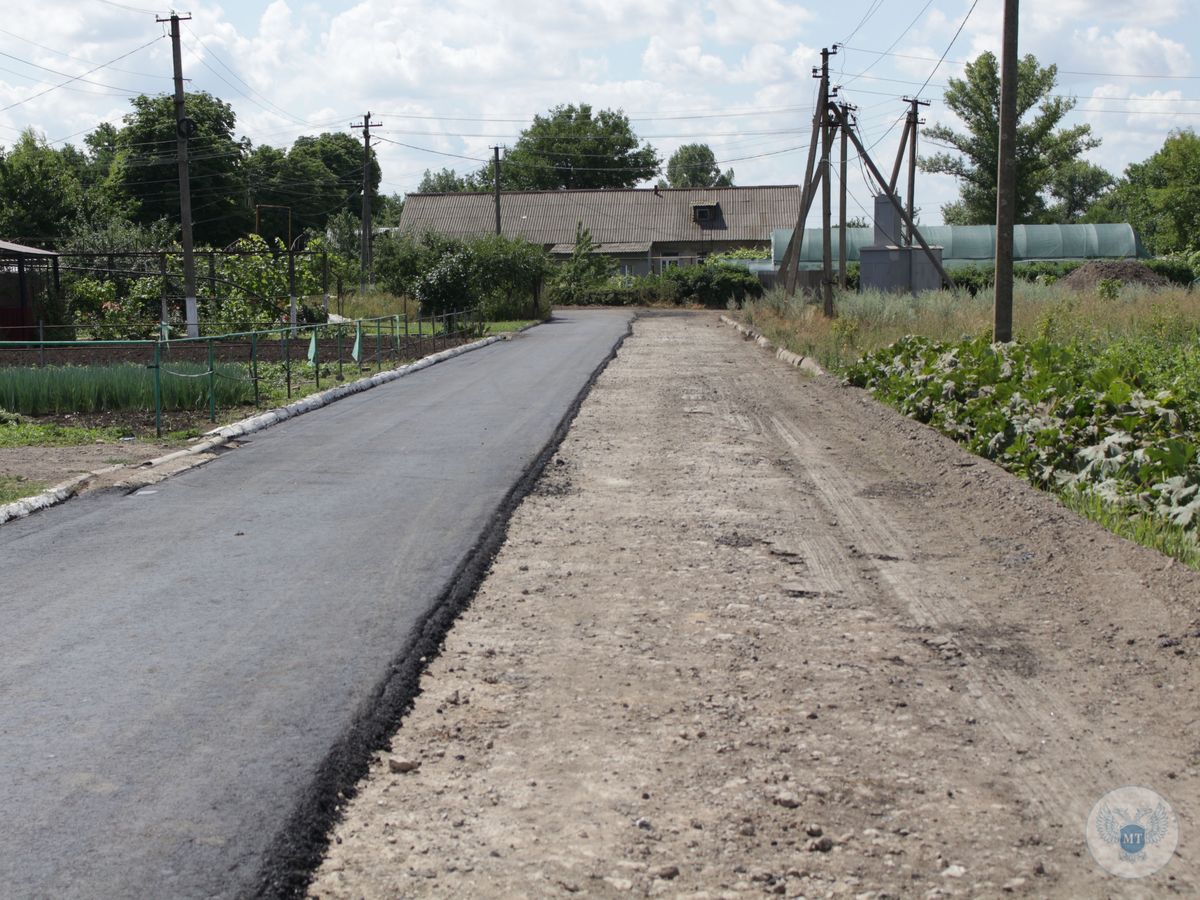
46 377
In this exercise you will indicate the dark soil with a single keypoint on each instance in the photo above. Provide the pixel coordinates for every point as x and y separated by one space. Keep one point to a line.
1126 271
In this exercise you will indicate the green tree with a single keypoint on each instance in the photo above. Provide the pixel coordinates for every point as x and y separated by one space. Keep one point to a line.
39 191
1042 146
572 148
1159 197
447 181
1076 186
584 270
342 157
147 171
694 165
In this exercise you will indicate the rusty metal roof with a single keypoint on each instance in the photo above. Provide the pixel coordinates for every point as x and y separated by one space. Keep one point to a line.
618 216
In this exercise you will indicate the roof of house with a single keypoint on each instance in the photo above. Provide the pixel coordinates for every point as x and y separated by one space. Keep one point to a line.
628 217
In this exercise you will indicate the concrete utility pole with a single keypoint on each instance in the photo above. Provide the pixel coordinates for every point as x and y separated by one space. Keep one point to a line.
184 129
365 277
1006 177
496 185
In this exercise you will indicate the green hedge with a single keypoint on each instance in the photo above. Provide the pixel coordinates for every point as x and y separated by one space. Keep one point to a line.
712 285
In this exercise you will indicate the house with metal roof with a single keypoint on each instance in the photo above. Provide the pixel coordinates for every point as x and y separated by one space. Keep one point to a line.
643 229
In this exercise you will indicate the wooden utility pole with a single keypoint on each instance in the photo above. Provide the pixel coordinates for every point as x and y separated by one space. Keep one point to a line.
496 185
365 276
826 200
790 266
914 122
1006 178
184 129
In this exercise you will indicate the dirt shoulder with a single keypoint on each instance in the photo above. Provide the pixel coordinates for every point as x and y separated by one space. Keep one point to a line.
755 633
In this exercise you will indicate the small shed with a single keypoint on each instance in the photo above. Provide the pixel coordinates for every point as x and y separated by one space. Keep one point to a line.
26 273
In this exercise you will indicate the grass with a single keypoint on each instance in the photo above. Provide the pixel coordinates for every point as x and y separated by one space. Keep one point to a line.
12 489
36 434
1149 336
1149 531
373 304
86 389
872 320
512 325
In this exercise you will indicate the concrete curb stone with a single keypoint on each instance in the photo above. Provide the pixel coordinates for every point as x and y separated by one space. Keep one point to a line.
220 437
792 359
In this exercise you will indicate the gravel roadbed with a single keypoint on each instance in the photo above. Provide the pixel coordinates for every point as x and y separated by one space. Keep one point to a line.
753 633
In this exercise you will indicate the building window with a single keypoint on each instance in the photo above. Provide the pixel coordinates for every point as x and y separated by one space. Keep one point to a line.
704 213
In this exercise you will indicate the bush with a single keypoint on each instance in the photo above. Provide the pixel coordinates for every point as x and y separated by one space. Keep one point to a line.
1177 268
448 286
713 285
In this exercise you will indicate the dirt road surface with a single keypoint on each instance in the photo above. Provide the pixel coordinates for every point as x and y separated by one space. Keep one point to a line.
753 633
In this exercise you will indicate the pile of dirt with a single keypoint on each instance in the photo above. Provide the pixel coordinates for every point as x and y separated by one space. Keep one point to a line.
1126 271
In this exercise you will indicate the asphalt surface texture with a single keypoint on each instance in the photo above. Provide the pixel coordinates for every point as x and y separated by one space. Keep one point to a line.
190 674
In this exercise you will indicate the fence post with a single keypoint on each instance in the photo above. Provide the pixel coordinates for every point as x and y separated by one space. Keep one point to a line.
340 331
287 361
254 365
325 279
165 314
41 345
212 384
316 360
158 388
395 338
377 327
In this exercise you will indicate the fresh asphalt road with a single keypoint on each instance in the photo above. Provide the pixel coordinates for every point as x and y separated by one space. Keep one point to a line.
176 663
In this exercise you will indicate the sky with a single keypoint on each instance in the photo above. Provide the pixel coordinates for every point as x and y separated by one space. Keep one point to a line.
447 79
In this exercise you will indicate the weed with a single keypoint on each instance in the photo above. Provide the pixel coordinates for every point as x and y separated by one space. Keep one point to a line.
12 489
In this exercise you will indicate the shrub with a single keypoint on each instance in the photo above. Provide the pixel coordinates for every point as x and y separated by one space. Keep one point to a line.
448 286
1178 268
713 285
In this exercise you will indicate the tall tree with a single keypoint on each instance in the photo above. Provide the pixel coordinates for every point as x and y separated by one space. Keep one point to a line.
1042 148
1075 188
147 170
39 191
1159 197
341 154
572 148
447 181
695 165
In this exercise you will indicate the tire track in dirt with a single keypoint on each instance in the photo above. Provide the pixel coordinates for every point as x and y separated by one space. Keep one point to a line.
753 633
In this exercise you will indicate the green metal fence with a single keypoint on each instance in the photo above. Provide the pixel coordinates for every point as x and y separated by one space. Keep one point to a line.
302 357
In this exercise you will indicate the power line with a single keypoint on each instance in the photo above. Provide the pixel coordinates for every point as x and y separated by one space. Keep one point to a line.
78 77
960 62
961 25
899 37
248 87
78 58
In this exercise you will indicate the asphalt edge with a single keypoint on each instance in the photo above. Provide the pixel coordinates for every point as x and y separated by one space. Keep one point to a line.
792 359
221 437
299 848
